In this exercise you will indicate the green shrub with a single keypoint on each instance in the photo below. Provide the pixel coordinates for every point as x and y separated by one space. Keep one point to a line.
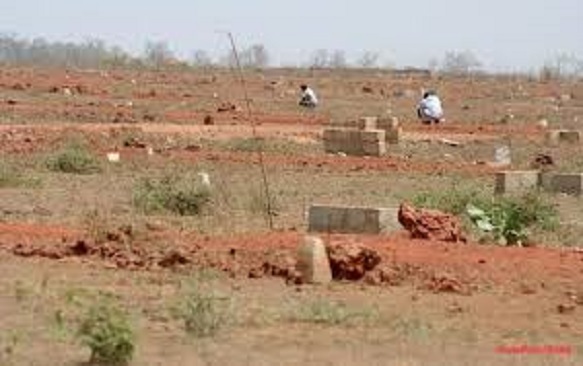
510 219
204 312
73 159
180 195
105 329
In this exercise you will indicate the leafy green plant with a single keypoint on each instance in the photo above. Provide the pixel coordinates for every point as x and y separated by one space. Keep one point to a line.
509 220
180 195
105 329
204 312
73 159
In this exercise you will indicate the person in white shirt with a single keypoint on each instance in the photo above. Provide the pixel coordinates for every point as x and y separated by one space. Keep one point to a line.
430 109
308 97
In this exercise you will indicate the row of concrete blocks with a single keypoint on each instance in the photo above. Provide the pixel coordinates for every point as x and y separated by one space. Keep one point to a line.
352 220
390 125
355 142
518 181
367 136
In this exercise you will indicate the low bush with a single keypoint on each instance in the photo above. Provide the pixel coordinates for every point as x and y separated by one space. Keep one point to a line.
203 311
73 159
184 196
106 330
511 219
508 219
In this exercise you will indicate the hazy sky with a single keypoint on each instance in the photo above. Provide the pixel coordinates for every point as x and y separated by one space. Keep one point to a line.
504 34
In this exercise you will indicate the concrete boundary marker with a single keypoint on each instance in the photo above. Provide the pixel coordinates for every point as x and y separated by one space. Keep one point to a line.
571 184
355 142
352 219
519 181
516 181
557 137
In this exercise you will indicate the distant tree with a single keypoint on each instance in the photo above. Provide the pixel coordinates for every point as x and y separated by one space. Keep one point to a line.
255 56
158 53
92 53
433 64
201 58
369 60
460 63
319 59
338 60
563 66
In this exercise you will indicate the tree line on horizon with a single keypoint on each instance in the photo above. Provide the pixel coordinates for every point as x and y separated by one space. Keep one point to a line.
96 54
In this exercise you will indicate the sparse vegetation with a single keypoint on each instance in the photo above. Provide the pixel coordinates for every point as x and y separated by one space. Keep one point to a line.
11 177
203 311
453 200
96 225
73 159
9 342
277 146
322 311
106 330
184 196
509 219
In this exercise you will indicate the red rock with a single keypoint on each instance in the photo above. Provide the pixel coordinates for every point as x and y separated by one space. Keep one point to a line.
208 120
227 107
446 283
351 261
174 258
430 224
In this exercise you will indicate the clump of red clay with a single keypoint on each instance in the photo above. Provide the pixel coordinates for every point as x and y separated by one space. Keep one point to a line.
431 224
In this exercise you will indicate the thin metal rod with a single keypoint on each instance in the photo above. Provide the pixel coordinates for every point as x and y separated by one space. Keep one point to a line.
254 132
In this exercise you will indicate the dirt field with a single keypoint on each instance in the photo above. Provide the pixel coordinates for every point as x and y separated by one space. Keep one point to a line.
67 238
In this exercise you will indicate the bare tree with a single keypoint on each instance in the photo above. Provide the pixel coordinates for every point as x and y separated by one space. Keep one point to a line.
319 59
338 60
460 63
563 66
254 56
201 58
369 60
158 53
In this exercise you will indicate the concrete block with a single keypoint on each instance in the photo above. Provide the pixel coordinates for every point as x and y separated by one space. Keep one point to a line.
556 137
313 263
546 180
392 128
571 184
355 142
352 220
517 181
367 123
